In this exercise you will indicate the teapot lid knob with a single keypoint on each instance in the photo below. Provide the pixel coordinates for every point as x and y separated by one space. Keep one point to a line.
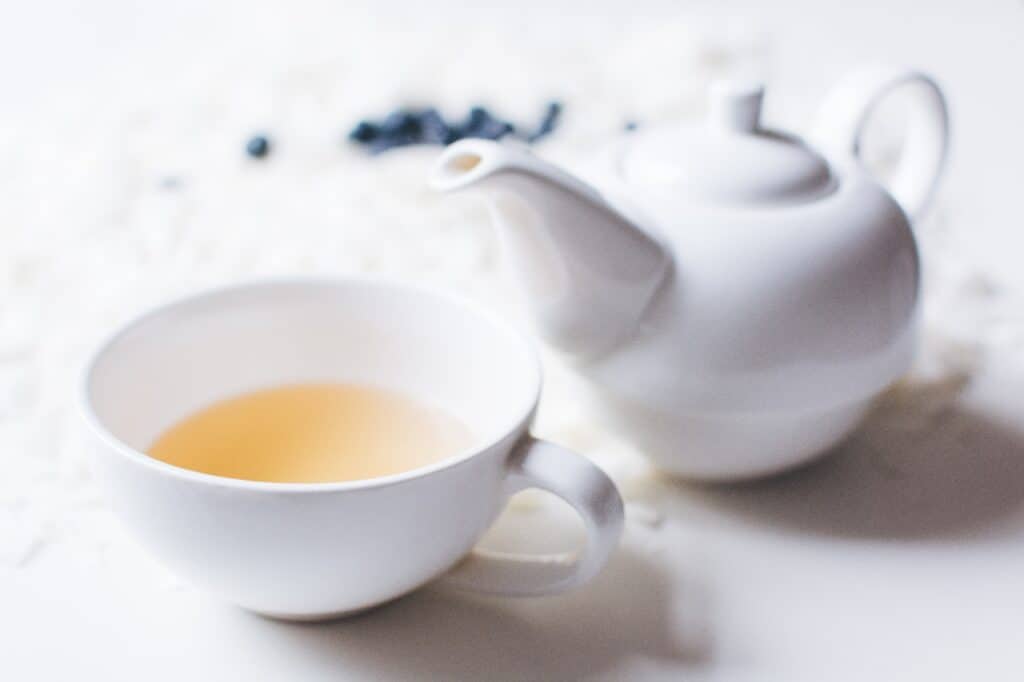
736 105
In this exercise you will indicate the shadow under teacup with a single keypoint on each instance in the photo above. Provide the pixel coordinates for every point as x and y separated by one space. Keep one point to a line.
318 550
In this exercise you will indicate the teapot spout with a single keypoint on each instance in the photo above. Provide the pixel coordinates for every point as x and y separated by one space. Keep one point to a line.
588 273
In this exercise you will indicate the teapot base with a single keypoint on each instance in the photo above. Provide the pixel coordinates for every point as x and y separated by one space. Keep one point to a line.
725 447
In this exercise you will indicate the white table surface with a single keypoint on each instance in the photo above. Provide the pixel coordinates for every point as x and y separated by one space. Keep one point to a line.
891 561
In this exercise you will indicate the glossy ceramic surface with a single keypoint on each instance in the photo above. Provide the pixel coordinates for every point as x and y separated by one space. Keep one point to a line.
717 278
310 551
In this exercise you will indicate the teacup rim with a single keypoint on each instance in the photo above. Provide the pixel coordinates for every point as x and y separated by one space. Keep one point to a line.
518 424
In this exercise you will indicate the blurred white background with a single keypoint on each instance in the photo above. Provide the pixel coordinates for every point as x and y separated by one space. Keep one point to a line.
122 126
54 48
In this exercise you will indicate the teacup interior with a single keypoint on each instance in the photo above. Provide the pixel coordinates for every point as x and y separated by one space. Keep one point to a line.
183 357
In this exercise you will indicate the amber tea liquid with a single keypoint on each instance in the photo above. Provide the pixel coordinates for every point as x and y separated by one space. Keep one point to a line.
312 433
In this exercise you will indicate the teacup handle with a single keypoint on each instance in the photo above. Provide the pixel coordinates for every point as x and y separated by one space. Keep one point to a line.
846 110
541 464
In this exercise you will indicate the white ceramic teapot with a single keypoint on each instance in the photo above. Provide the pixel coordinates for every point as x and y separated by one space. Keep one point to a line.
737 296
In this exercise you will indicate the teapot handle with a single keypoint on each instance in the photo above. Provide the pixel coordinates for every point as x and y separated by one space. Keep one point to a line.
848 107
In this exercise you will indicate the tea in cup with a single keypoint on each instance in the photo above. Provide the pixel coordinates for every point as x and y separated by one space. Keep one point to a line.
329 432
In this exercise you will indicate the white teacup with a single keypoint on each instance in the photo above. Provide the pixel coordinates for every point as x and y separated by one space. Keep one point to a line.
317 550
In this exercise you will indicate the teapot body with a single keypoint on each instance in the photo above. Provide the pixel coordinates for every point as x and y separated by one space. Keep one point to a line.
773 333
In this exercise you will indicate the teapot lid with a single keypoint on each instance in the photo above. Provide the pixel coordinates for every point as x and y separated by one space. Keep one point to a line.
731 159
